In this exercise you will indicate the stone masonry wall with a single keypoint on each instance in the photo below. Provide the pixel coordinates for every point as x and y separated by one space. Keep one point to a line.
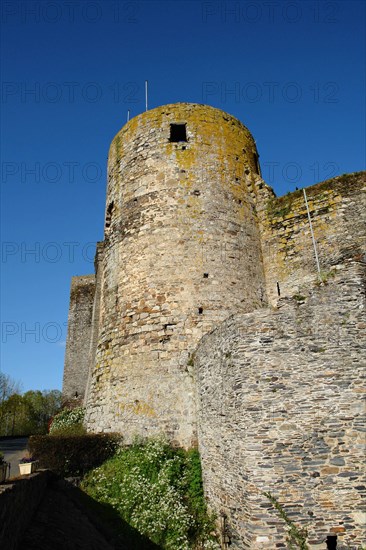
281 408
196 246
181 253
338 212
95 320
78 336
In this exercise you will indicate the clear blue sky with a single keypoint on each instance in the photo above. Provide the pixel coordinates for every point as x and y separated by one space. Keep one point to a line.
291 71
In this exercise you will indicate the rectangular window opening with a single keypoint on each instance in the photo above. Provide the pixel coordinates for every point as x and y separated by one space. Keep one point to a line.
178 132
331 542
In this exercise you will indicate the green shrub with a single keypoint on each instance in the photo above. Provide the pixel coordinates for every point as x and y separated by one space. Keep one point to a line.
67 418
73 455
73 429
158 491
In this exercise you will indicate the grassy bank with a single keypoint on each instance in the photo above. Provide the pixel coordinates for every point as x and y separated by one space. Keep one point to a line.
158 491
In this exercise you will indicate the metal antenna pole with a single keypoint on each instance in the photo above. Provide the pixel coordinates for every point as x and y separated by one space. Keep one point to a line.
128 115
145 95
312 234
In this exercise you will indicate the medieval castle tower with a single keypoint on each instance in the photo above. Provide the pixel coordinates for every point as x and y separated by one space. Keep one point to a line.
206 320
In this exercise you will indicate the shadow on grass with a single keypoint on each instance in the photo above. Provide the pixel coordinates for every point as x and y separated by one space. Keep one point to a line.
118 532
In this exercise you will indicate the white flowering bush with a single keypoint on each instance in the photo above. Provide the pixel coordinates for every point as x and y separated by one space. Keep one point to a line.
68 420
158 491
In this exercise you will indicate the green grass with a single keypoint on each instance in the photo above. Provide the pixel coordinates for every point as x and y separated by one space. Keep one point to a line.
158 491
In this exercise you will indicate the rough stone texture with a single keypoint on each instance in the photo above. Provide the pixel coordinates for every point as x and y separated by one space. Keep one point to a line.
193 235
281 408
94 332
181 234
77 359
337 209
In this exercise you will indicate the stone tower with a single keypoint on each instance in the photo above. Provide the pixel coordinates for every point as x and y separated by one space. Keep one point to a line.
181 253
207 321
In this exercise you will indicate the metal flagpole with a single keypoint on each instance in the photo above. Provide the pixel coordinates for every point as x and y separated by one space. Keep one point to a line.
312 234
145 95
128 115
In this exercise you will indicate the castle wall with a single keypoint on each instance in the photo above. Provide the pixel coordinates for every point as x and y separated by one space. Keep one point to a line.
281 408
181 254
337 208
93 336
196 246
78 336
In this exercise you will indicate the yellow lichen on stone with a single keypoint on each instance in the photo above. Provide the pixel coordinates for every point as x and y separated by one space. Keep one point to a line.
137 407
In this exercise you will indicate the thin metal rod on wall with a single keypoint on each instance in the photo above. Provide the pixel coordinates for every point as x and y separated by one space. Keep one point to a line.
312 234
128 115
145 95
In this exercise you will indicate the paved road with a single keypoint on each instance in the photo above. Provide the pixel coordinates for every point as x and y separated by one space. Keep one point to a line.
14 449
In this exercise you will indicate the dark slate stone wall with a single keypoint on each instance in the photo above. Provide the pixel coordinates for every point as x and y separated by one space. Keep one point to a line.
281 409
